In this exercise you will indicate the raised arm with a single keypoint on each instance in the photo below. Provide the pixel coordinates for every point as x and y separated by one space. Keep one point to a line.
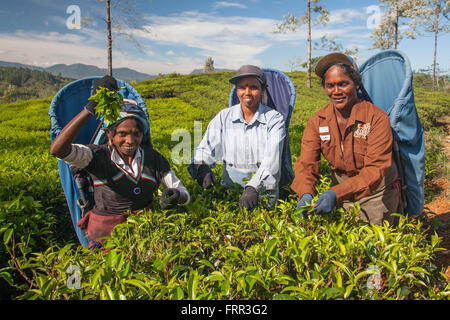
62 145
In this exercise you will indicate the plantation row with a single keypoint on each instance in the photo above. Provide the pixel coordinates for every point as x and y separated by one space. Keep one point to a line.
209 249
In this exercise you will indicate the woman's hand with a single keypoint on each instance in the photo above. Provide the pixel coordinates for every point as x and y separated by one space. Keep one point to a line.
169 198
325 203
249 198
106 82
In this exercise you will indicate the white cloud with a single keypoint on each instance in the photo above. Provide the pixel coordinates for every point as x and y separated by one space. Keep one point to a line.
231 41
346 16
193 36
226 4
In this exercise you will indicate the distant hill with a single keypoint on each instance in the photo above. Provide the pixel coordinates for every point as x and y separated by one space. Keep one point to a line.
19 65
79 70
216 70
23 84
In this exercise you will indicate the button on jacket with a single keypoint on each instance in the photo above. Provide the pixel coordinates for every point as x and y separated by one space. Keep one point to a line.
245 148
364 155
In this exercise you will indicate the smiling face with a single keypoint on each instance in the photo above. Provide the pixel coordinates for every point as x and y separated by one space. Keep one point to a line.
341 89
126 137
249 92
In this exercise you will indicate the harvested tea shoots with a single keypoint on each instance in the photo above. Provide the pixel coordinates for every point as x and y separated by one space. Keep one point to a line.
109 104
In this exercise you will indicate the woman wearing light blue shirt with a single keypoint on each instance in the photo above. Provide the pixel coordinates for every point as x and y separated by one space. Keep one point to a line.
247 138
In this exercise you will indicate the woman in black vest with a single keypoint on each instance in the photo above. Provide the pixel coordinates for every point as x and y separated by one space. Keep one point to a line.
126 172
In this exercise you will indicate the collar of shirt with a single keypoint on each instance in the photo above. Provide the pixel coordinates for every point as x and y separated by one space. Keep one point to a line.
237 114
359 113
117 159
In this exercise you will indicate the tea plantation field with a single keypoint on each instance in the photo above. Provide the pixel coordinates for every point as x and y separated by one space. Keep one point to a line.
209 249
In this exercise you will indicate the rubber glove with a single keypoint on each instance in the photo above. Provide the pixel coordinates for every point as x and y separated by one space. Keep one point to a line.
325 203
249 198
205 177
169 198
106 82
307 197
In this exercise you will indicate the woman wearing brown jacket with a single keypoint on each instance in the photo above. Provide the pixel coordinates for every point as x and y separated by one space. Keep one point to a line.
355 138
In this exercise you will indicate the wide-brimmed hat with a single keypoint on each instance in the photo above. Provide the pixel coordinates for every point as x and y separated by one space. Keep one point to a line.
249 71
330 60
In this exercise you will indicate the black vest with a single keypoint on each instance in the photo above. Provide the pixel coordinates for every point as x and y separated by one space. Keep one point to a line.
115 190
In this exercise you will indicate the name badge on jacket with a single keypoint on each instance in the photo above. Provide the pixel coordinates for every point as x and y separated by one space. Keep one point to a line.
323 130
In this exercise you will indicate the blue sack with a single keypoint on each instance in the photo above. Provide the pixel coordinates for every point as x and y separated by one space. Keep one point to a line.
66 104
281 97
388 80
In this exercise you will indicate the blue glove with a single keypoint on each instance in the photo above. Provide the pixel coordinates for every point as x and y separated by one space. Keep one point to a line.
326 202
307 197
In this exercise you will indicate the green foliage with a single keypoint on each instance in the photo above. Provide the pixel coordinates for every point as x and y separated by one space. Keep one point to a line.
109 103
209 249
23 84
431 107
218 252
424 80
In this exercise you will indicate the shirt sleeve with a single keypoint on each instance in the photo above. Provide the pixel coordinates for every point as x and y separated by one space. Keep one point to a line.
210 150
267 176
80 156
170 180
306 168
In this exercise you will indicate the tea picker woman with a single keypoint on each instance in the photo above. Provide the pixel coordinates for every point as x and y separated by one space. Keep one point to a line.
126 172
355 138
248 138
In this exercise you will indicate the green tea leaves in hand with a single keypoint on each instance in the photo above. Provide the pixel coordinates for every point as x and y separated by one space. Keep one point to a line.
109 104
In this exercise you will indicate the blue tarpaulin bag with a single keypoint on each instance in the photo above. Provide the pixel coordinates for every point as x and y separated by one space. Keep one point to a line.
388 83
281 97
66 104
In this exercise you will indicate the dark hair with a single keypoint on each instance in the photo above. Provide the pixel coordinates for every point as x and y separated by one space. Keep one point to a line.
349 71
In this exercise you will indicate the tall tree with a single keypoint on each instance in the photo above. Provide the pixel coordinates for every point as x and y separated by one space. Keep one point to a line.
433 17
122 17
292 23
109 34
388 33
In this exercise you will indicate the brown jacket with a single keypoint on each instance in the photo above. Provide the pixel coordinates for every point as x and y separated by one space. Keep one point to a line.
367 154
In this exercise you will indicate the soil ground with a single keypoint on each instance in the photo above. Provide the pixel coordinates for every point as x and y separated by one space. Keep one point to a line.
438 210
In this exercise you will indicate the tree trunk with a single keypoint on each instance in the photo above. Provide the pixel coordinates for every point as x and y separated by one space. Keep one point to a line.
308 66
396 27
436 29
108 25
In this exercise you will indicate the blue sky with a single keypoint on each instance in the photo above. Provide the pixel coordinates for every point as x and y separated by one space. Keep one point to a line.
183 33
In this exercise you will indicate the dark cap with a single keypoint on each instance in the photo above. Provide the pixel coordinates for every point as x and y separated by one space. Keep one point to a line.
249 71
330 60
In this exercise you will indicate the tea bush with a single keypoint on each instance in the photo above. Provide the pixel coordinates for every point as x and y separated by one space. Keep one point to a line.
209 249
215 251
